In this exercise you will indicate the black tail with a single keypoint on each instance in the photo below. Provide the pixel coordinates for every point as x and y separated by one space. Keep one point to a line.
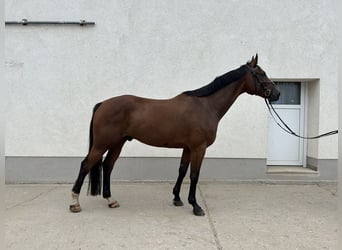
94 186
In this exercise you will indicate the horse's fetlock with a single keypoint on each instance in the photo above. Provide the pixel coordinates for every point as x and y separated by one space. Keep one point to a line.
192 200
106 194
75 195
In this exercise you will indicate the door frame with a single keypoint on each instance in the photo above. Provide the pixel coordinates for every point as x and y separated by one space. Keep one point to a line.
302 123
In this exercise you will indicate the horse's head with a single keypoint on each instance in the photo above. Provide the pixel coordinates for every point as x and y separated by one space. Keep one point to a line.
259 83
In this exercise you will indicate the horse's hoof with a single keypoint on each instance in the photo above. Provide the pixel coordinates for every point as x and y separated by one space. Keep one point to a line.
198 212
75 208
114 204
178 203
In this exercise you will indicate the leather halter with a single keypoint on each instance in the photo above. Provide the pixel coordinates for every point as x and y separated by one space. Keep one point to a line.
267 92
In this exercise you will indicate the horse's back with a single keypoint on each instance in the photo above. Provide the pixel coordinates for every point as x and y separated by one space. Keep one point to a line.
132 109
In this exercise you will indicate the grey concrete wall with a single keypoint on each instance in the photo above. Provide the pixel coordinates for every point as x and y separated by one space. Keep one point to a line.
65 170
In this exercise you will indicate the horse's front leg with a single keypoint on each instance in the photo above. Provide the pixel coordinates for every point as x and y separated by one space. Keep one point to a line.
184 164
196 162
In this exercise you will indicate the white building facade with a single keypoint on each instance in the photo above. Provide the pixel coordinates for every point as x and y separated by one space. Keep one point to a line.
158 49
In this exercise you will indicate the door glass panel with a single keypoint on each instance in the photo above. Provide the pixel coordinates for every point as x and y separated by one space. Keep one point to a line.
289 93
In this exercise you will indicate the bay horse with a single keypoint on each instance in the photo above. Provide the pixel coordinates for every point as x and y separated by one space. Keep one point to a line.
188 121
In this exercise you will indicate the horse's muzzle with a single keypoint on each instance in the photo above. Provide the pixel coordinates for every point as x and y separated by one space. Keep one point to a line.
274 97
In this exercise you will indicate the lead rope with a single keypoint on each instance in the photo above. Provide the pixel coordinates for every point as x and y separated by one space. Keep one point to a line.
288 130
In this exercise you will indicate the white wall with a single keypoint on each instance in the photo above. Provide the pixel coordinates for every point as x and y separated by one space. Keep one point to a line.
159 49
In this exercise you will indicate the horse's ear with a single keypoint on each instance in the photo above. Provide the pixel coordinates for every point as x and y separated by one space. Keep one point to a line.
249 63
253 62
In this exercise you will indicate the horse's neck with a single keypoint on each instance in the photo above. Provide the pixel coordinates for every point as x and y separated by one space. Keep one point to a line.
223 99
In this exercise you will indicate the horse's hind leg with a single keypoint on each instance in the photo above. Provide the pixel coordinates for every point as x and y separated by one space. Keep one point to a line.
75 204
91 160
108 165
184 164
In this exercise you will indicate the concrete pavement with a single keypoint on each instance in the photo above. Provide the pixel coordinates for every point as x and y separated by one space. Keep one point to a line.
238 216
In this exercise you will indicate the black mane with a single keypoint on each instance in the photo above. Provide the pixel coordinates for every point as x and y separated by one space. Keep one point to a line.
218 83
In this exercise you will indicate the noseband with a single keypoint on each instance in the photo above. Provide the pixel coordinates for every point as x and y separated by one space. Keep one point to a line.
267 92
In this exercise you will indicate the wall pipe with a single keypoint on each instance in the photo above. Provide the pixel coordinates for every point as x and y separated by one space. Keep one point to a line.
25 22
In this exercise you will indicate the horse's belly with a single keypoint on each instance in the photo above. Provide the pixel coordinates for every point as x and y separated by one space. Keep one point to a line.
163 144
160 137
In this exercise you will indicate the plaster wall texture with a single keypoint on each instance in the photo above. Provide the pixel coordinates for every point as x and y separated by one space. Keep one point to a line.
157 49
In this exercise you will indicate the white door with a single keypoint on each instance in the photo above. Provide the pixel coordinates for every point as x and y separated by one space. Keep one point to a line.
283 148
